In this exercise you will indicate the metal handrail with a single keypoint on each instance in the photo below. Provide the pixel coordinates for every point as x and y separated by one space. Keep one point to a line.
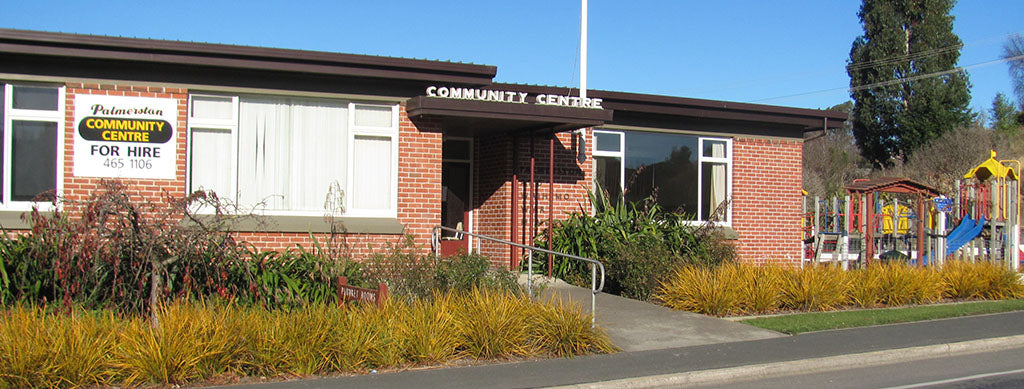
435 239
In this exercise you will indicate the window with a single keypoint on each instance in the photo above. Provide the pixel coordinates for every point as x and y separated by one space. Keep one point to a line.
284 154
682 172
30 120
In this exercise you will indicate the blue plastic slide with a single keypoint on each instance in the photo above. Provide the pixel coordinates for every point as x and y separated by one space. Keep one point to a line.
965 232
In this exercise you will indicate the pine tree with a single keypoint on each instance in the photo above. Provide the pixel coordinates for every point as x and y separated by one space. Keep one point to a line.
903 81
1004 116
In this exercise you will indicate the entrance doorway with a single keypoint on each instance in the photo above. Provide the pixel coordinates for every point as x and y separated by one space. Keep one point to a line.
456 193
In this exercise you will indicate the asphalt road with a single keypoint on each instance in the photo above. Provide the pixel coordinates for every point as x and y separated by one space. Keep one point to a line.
999 369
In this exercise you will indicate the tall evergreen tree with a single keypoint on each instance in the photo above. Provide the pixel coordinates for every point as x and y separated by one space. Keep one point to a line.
1004 116
905 87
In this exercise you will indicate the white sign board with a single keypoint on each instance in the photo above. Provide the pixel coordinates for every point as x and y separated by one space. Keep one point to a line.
125 137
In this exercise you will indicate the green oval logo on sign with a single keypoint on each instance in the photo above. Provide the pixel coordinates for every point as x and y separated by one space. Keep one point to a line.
125 130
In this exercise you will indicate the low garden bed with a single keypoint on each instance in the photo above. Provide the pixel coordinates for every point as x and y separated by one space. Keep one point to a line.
194 342
741 289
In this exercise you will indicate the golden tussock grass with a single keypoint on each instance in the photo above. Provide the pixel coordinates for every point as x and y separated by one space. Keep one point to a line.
197 341
747 289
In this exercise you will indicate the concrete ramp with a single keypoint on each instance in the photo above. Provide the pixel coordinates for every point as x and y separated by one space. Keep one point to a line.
637 326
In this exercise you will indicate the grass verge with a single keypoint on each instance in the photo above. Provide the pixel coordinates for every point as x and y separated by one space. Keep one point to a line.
818 321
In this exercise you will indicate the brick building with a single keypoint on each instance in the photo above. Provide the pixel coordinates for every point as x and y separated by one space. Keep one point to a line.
401 145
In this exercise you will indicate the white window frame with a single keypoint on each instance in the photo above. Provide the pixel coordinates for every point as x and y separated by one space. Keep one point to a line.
621 155
701 159
10 115
391 132
378 132
727 160
230 125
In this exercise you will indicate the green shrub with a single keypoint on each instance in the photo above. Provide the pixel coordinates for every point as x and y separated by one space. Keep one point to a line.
638 244
411 274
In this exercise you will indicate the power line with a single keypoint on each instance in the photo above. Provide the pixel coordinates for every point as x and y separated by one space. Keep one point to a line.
896 81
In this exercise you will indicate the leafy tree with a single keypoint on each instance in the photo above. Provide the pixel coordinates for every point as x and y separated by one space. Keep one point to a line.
831 159
1013 50
905 88
1004 116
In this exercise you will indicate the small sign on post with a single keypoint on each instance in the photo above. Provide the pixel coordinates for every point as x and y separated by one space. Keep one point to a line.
350 293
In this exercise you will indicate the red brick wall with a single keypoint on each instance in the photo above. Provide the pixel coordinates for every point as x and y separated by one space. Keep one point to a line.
494 166
766 199
419 179
766 185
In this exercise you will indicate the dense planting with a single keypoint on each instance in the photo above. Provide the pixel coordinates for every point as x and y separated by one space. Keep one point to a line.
196 341
745 289
636 242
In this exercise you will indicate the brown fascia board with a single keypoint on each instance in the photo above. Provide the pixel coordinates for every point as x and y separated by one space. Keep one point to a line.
245 57
809 119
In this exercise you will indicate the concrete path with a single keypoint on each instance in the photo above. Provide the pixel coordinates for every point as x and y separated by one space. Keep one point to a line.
638 326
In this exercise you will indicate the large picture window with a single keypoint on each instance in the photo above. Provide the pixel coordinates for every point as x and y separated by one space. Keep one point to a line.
30 121
684 173
283 155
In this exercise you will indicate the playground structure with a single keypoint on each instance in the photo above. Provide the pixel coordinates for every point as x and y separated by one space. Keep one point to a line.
891 218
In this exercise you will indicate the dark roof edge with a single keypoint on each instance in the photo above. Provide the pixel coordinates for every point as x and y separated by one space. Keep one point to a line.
687 106
276 59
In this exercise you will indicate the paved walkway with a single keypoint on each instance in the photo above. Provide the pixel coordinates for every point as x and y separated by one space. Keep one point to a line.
638 326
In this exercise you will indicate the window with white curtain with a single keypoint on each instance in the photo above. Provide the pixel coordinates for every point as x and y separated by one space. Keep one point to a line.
683 173
282 155
30 121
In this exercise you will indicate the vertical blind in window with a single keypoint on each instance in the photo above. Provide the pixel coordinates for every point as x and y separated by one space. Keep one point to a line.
289 152
371 177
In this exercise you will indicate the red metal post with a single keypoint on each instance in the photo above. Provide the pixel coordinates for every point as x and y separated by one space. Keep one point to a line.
533 191
513 261
551 198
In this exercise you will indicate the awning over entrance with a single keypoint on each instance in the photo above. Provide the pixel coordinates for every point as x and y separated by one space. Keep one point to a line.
474 117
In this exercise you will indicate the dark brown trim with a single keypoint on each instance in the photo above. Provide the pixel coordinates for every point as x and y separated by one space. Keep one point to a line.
116 49
809 119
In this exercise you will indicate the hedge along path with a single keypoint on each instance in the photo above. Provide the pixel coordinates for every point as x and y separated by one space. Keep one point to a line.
197 341
736 289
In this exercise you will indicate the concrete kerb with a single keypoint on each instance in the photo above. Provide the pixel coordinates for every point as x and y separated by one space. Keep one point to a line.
813 365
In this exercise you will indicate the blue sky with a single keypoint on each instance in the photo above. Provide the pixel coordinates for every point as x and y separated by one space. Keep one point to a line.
790 53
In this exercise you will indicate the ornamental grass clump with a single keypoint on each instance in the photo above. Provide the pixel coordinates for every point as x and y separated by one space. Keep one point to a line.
562 329
197 341
40 349
815 288
901 284
708 290
742 288
760 288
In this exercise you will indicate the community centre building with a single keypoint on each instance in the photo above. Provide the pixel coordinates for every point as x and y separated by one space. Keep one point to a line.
403 144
